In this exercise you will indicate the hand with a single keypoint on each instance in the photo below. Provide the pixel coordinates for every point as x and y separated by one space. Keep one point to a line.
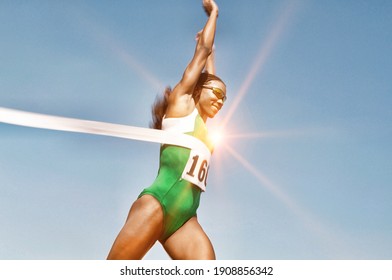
198 35
209 6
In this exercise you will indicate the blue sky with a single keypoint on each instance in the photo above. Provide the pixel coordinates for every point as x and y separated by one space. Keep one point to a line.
304 171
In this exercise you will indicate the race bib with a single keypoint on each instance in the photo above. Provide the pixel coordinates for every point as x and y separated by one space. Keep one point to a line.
196 169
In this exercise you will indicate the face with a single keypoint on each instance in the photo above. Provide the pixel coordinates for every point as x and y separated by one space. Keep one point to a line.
212 97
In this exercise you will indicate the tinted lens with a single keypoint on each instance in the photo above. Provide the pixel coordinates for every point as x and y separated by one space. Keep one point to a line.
219 93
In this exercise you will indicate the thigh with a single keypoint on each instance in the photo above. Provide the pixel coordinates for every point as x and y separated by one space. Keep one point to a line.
189 242
142 229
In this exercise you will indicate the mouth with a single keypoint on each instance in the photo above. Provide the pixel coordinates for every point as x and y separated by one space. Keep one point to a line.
217 107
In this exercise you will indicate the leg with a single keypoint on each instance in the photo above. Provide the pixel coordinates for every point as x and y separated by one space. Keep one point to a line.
189 243
141 230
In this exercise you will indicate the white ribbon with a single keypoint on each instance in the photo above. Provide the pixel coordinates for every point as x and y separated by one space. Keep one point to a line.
23 118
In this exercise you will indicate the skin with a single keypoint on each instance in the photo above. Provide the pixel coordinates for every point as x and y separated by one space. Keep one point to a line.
144 224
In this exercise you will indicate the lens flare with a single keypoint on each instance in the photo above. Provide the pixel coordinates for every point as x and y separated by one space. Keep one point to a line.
310 221
107 41
264 53
216 137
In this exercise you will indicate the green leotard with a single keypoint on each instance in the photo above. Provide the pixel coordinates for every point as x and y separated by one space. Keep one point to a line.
179 198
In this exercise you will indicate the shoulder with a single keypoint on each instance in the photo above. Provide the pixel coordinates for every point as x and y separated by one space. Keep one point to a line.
180 103
180 124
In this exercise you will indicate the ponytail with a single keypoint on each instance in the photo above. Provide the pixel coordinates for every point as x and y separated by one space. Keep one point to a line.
158 109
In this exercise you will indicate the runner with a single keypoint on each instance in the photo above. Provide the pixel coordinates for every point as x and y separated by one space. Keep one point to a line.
166 211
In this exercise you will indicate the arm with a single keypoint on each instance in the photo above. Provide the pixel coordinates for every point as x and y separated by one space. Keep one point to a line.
181 96
210 64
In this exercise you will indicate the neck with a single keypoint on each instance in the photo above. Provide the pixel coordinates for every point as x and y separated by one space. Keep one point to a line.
202 114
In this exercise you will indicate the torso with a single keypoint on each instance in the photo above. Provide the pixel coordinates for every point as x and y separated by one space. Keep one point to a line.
179 198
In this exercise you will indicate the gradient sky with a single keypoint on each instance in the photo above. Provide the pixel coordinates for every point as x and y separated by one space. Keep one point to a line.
304 171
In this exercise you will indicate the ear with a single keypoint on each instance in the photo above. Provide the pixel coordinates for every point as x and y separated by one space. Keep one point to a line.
196 94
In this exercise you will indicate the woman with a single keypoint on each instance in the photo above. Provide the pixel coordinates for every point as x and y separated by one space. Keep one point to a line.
166 211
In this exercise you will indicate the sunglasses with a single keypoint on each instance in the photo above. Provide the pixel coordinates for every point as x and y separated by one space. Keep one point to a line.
218 93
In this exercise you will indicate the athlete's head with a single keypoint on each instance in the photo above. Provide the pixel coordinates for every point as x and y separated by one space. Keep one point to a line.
209 94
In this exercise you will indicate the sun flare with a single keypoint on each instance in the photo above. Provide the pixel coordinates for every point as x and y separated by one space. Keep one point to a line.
216 137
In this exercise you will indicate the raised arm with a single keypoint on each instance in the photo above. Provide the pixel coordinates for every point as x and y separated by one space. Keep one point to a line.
181 97
210 63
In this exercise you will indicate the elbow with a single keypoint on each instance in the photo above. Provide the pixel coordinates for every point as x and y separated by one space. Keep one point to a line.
204 49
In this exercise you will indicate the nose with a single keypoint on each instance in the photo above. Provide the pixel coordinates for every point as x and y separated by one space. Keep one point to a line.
220 101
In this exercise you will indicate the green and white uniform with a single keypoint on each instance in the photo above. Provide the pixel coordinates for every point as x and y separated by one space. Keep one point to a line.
179 197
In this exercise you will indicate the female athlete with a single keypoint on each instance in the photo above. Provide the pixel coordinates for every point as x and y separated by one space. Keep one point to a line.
166 211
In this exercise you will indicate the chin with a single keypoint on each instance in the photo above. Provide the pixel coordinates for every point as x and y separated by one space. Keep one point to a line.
212 115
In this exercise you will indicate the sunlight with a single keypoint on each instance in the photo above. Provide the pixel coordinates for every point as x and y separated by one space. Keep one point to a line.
267 134
264 180
265 51
216 137
310 131
99 34
308 219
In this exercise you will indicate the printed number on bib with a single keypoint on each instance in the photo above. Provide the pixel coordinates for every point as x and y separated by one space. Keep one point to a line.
196 169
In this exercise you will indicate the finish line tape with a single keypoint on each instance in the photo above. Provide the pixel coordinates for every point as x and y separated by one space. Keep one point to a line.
29 119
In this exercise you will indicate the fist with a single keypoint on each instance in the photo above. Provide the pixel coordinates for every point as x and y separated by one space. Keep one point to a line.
209 6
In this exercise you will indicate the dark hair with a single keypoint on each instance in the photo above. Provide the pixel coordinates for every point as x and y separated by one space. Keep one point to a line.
204 78
158 109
